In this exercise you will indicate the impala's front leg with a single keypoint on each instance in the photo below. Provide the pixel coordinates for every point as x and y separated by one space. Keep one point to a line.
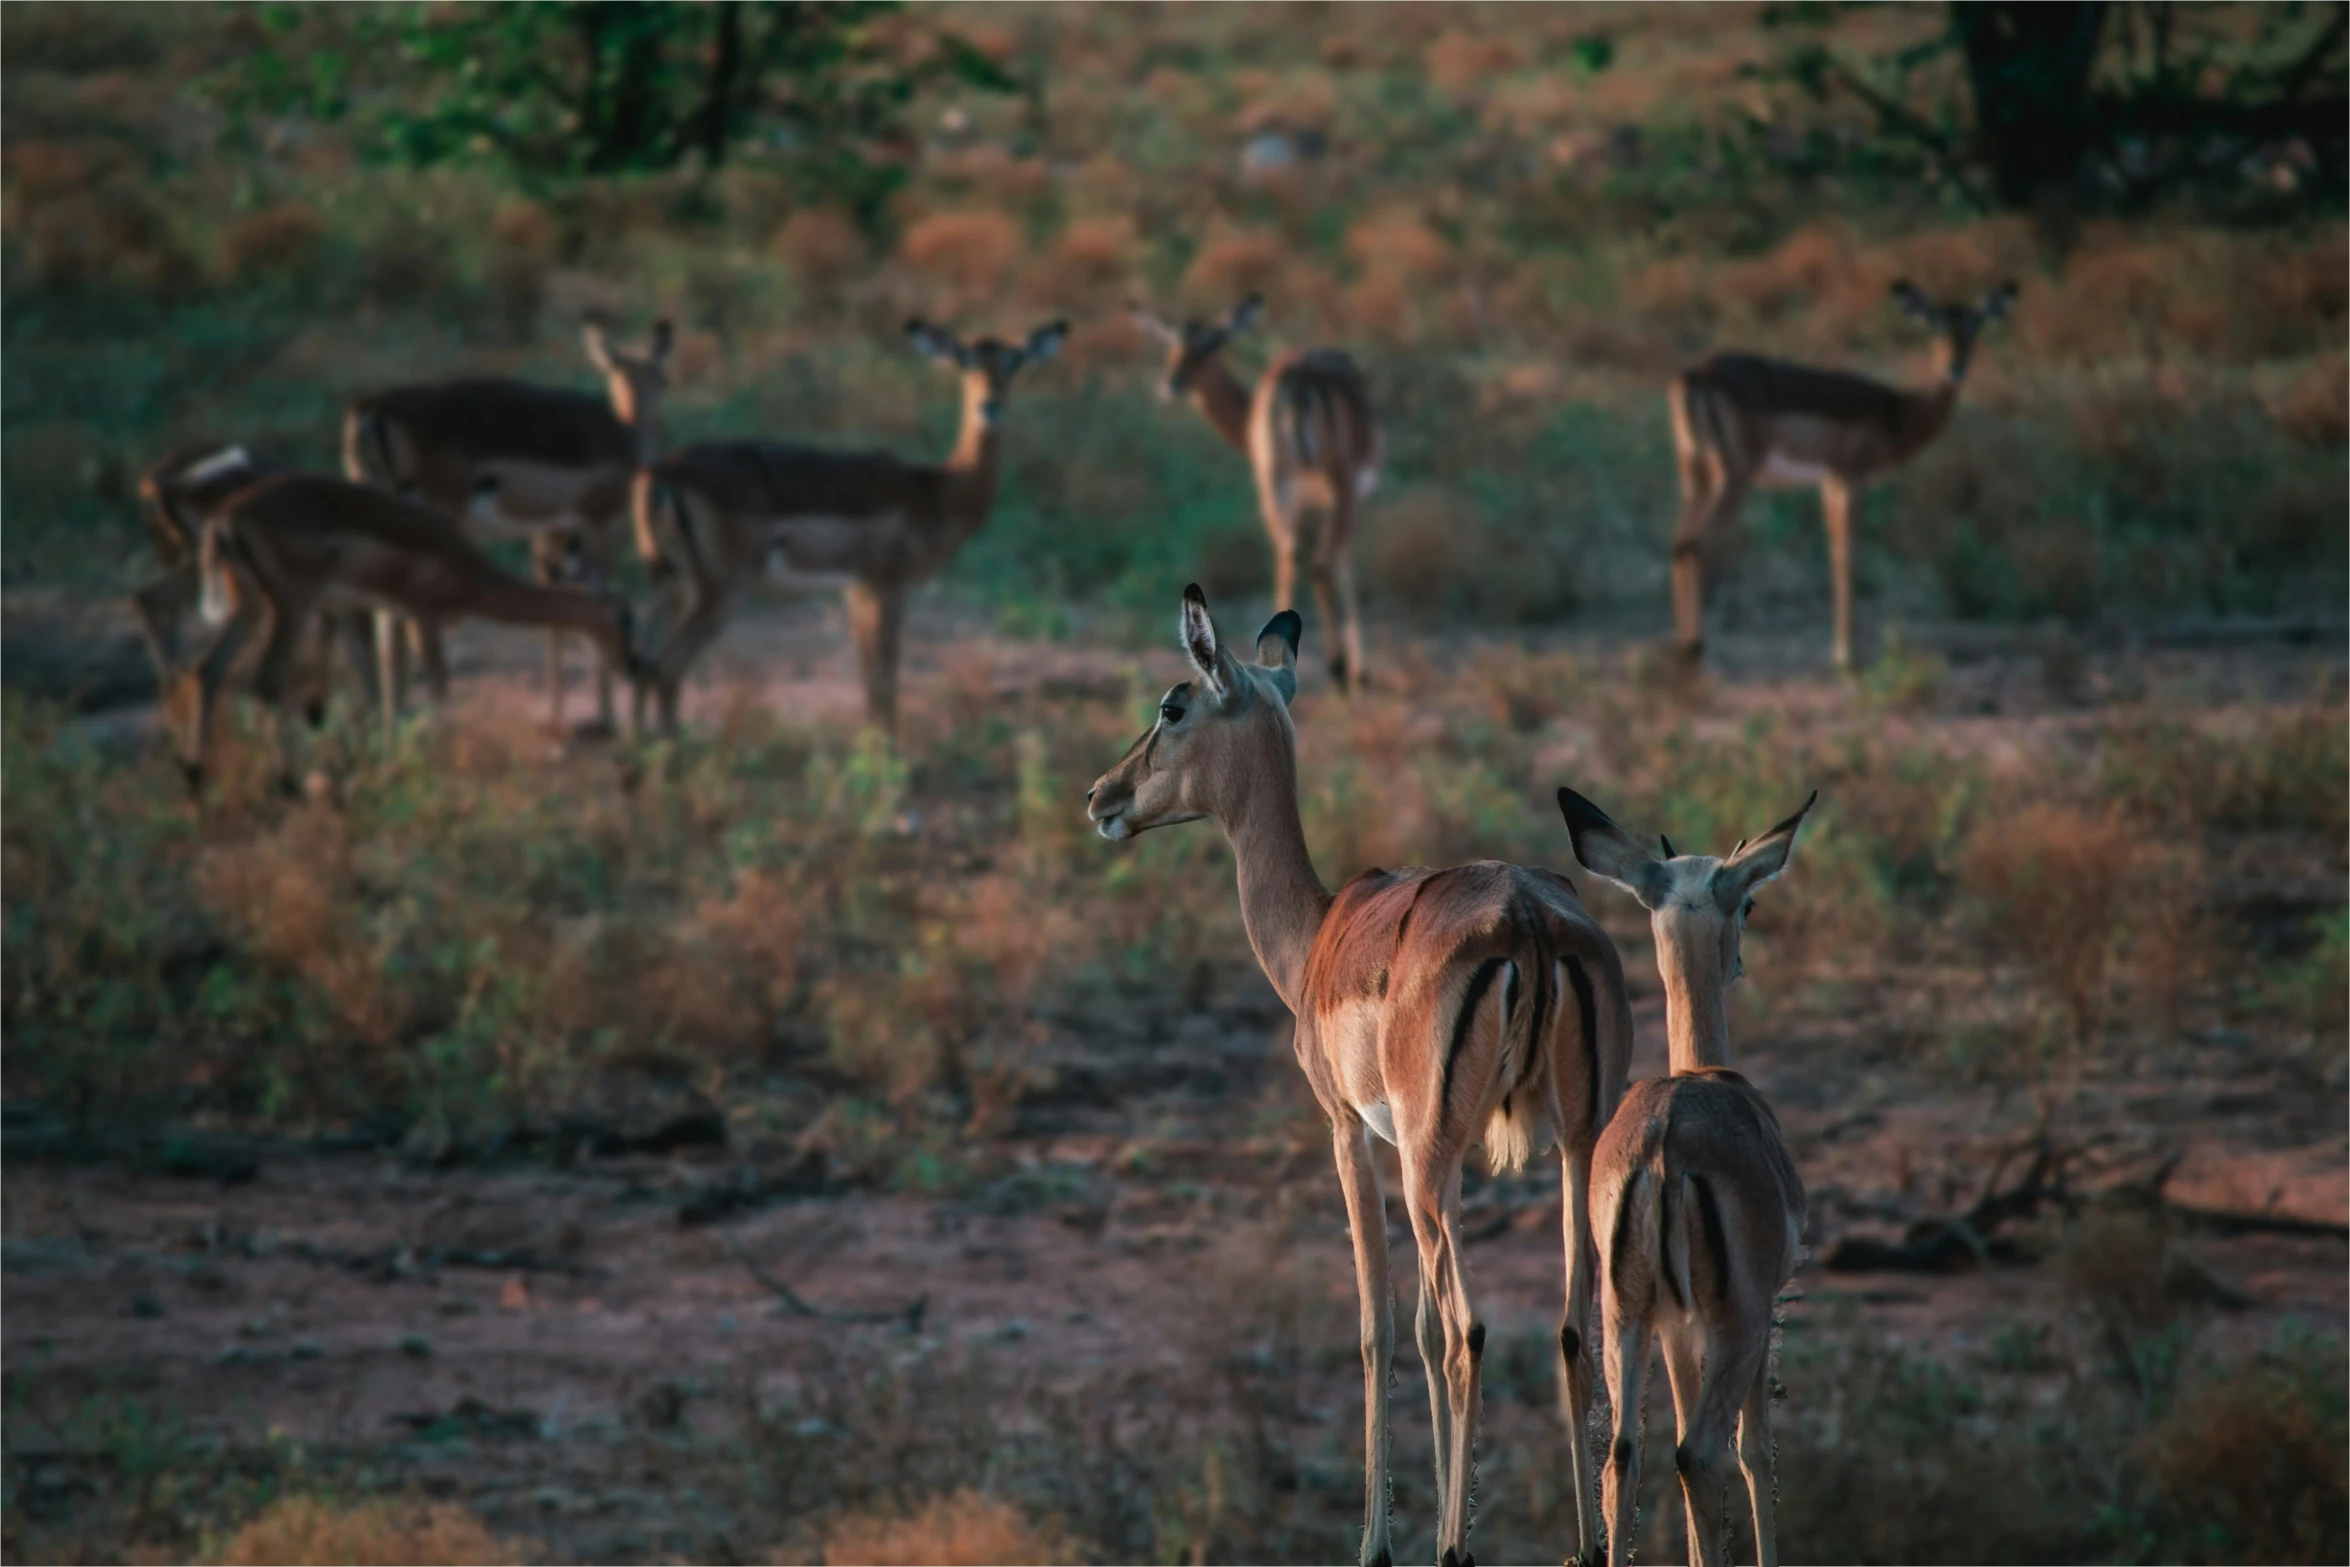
1366 1221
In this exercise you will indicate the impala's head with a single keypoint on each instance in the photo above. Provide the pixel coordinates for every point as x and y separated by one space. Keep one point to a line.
1697 905
987 366
1956 325
1191 345
1215 734
634 380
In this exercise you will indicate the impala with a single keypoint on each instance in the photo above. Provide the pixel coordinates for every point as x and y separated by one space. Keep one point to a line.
174 495
719 517
280 551
1694 1197
1311 439
1435 1009
514 460
1741 422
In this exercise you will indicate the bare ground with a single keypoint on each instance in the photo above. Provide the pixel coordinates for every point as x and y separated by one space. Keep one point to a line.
558 1348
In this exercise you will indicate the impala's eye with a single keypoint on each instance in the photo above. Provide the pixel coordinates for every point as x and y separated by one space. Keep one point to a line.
1169 713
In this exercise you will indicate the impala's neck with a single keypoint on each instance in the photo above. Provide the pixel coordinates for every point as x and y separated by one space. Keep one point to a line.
970 468
1282 901
1217 393
1697 1012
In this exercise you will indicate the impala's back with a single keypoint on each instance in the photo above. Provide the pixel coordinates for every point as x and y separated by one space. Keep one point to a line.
1510 986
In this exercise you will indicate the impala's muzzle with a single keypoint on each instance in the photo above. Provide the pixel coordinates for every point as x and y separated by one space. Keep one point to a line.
1106 805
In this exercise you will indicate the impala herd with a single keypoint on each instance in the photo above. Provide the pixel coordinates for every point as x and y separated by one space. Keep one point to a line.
1481 1005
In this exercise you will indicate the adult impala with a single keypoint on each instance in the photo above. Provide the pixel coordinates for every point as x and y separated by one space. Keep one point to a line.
296 545
1435 1009
720 517
1743 422
1312 441
514 460
174 495
1694 1197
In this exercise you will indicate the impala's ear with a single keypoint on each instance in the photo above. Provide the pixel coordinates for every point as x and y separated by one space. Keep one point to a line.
599 352
936 342
1758 861
1158 326
1906 295
1244 315
1996 303
1607 850
1277 651
663 340
1198 632
1045 341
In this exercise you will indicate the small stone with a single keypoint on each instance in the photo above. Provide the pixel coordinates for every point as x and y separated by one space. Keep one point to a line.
415 1346
146 1306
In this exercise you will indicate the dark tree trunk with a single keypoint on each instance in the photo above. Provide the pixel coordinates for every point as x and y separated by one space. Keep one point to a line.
2028 65
714 121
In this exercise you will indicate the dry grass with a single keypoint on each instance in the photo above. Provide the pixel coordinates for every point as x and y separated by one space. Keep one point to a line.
1232 263
966 1529
300 1530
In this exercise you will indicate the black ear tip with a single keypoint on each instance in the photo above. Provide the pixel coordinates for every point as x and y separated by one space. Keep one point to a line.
1579 812
1193 595
1288 627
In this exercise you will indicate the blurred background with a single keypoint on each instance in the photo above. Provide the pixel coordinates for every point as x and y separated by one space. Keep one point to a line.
779 1145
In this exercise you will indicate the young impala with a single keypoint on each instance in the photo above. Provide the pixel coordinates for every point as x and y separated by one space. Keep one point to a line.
1741 422
302 544
1435 1010
719 517
1312 440
1694 1197
511 460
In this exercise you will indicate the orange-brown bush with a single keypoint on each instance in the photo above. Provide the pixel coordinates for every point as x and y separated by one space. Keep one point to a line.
2315 408
291 895
298 1530
1233 263
280 239
972 249
2055 880
1457 62
1096 250
820 245
1401 242
966 1529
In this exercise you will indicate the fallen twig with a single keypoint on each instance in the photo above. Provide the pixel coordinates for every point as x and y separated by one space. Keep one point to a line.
794 1304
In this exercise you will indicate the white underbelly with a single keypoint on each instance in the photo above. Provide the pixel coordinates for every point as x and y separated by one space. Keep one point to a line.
1379 1119
781 573
1781 472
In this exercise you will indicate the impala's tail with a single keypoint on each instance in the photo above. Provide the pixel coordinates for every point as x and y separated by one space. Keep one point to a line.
218 602
657 516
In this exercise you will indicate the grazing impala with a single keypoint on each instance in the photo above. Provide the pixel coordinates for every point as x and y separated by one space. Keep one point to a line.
1435 1009
721 516
1696 1203
298 544
1311 439
174 495
1741 422
513 460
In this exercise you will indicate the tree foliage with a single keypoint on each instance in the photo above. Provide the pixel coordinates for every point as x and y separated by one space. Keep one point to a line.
555 90
2094 102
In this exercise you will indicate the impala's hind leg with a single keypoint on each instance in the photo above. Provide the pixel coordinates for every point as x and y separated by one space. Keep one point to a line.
1755 1458
1575 1357
1366 1217
1454 1351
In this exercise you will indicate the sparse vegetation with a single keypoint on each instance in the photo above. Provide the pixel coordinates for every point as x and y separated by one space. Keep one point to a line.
2102 880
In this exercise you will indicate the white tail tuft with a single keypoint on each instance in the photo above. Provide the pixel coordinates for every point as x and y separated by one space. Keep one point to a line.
227 460
218 603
